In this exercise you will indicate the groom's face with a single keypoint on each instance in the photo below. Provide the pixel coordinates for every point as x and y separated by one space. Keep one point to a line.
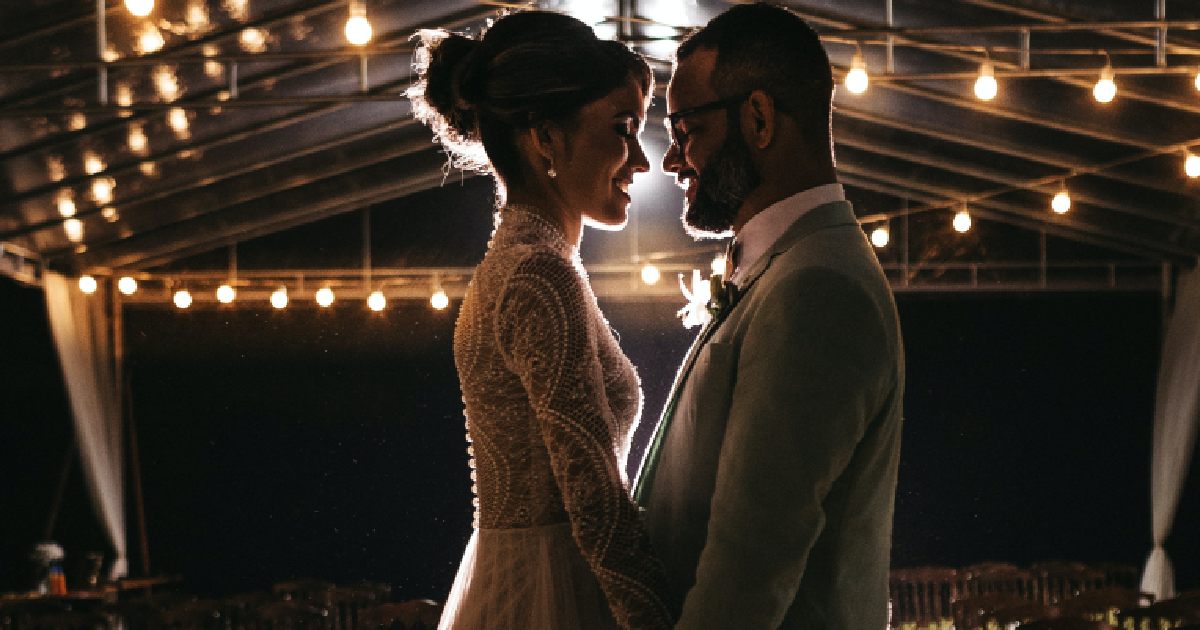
708 155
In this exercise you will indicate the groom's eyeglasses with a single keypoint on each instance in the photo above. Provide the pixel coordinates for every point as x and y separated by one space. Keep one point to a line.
677 135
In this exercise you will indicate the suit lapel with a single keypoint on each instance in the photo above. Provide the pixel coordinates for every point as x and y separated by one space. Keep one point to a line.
823 216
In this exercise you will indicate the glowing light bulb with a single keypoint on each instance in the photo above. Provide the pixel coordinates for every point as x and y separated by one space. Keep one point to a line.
962 221
226 294
1191 165
376 302
138 143
92 162
857 79
74 230
253 40
985 85
102 189
279 298
358 28
650 274
139 8
439 300
88 284
1106 88
1198 80
76 121
123 95
324 296
880 237
166 83
1061 204
55 169
66 203
150 39
182 298
178 120
127 285
110 214
148 168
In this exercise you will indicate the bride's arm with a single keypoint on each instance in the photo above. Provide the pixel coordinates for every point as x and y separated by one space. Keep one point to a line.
543 331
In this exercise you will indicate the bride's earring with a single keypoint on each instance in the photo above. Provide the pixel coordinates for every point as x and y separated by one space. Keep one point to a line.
550 171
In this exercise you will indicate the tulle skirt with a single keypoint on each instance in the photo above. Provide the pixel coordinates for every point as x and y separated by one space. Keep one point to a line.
531 578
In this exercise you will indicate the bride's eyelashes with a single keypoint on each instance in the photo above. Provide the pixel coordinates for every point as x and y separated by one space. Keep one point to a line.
628 128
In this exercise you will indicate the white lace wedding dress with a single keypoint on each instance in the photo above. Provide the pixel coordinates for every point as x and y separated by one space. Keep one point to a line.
550 403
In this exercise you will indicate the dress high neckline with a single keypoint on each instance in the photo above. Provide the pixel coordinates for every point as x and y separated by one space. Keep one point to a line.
523 224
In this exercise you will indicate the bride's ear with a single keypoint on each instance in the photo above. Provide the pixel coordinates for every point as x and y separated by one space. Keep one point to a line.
547 140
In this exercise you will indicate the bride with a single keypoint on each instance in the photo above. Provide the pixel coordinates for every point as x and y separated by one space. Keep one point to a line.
553 113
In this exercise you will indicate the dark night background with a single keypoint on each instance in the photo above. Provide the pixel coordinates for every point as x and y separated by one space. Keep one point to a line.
329 443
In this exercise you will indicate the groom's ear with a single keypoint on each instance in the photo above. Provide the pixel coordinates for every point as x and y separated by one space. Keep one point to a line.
763 119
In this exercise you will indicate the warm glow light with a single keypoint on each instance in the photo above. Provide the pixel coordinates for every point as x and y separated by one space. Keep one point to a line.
985 85
74 230
110 214
196 16
178 120
857 79
1061 203
253 40
138 143
1198 80
110 54
182 298
376 302
92 162
358 28
587 11
102 189
962 221
139 8
127 285
880 237
88 284
1106 88
214 69
279 298
718 265
55 169
66 203
650 274
76 121
123 95
166 83
1191 165
226 294
150 39
439 300
324 296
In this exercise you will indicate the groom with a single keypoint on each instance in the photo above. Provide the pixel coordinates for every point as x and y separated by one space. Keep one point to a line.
770 480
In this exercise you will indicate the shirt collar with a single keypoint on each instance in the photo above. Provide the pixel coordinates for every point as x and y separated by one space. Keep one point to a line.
764 228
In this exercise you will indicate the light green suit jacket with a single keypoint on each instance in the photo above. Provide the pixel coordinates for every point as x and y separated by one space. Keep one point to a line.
769 485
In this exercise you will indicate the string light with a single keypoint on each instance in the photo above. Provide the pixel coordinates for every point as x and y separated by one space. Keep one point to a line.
149 39
985 86
92 162
166 83
1198 80
88 284
127 285
74 229
110 54
55 169
324 297
1191 165
123 94
138 143
148 168
439 300
1106 88
102 189
376 302
857 80
66 202
182 298
962 221
253 40
226 294
139 8
358 28
178 121
279 298
880 237
110 214
650 274
76 121
1061 203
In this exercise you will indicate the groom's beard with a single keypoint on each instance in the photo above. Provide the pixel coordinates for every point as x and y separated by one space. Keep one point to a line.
726 181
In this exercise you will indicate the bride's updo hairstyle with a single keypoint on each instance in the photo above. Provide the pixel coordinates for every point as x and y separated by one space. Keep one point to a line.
528 68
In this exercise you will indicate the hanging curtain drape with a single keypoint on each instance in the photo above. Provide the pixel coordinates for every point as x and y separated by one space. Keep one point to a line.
82 334
1176 415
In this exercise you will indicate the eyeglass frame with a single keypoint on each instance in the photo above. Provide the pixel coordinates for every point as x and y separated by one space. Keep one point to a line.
677 136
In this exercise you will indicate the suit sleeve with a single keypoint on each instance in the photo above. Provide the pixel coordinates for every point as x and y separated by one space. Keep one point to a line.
809 371
544 332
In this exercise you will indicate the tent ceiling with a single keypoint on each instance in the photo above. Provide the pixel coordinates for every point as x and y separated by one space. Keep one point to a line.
296 132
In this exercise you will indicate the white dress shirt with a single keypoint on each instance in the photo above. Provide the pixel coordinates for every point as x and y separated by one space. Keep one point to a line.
764 228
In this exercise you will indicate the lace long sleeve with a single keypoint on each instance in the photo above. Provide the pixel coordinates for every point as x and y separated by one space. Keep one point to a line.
544 334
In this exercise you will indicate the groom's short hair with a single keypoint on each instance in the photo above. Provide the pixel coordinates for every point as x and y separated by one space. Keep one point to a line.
769 48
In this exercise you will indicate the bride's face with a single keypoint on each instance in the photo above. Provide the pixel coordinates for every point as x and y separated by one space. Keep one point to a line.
603 151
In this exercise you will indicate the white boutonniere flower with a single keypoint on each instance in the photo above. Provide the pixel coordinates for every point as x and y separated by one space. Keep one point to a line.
707 299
